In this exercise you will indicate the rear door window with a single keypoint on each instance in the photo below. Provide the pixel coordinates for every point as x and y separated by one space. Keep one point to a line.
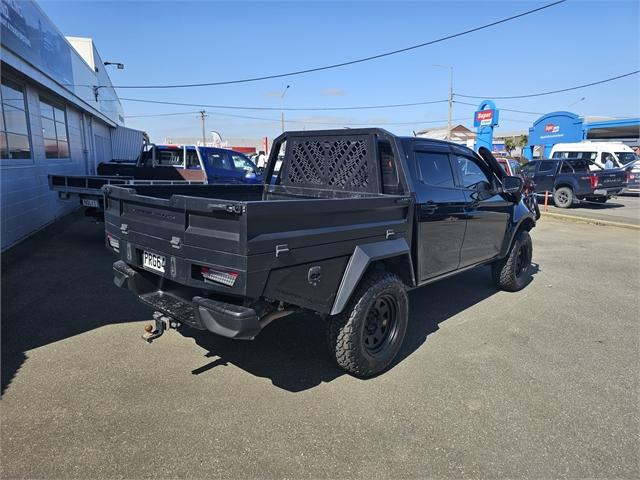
435 169
389 172
529 169
192 159
218 160
546 167
172 157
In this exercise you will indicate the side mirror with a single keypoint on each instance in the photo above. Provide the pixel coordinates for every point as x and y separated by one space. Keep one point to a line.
512 184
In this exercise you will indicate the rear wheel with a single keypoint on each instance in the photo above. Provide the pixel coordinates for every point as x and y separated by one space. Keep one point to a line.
512 272
365 338
563 197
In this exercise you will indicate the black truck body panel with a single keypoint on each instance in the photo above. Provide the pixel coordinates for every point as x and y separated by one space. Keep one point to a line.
342 201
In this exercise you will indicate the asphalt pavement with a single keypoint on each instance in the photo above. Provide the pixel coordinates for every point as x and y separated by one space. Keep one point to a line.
541 383
621 209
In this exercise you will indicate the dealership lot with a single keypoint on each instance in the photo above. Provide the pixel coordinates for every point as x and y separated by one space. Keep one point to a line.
539 383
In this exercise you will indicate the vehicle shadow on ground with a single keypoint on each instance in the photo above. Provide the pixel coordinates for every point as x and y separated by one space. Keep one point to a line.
56 284
292 351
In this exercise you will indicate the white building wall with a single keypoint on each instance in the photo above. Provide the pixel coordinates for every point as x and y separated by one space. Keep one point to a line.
26 203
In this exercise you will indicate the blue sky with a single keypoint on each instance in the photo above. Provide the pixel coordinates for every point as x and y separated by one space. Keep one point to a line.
181 42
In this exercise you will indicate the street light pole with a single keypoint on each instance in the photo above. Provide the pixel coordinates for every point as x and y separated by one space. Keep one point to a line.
284 92
203 115
450 67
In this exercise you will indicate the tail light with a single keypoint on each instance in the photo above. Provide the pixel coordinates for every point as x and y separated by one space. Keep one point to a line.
114 243
217 276
594 180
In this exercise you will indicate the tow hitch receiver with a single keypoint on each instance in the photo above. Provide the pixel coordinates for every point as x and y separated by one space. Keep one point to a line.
162 323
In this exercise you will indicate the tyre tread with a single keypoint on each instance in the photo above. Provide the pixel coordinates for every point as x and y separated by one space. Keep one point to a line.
341 331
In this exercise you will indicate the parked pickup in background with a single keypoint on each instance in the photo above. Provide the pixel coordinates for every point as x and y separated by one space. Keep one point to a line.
570 181
349 222
159 165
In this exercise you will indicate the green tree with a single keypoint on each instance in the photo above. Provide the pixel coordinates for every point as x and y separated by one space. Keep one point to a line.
510 144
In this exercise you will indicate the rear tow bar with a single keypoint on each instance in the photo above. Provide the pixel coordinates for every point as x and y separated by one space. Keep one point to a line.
163 323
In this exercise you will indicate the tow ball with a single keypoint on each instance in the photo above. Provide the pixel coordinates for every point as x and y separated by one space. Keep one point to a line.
163 323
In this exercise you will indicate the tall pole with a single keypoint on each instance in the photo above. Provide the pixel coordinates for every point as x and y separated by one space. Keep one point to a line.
284 92
450 103
203 114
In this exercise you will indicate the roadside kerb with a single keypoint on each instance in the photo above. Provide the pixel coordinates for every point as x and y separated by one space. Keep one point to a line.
592 221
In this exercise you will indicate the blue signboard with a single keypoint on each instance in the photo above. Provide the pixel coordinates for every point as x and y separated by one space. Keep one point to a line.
485 119
552 128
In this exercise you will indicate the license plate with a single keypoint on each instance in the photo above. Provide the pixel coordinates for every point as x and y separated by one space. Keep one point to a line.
153 262
90 202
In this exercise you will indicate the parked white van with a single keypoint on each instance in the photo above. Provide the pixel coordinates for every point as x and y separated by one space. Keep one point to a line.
621 154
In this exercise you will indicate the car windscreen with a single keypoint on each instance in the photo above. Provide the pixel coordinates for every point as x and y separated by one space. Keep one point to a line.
627 157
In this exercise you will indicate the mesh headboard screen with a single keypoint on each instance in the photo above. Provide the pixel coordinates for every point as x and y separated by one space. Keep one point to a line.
336 162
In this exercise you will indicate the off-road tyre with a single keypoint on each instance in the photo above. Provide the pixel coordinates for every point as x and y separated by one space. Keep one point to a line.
563 197
350 334
512 272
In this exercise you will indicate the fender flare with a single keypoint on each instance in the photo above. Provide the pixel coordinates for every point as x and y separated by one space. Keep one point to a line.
362 257
523 216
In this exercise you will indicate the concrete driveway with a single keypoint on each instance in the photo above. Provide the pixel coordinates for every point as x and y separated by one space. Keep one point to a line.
541 383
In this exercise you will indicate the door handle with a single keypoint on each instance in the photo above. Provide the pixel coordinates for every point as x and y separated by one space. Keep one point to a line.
429 208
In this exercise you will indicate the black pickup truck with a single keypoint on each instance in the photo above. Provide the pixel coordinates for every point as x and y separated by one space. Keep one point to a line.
343 226
572 180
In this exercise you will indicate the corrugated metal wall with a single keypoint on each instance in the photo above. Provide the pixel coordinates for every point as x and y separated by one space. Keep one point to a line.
126 143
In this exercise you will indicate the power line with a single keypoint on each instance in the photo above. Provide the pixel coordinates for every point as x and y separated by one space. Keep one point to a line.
307 122
505 109
236 107
550 92
350 62
160 114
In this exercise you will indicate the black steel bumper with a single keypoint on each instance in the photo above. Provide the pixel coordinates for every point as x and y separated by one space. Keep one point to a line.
225 319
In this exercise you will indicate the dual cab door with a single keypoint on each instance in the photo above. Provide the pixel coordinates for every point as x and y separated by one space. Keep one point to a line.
461 220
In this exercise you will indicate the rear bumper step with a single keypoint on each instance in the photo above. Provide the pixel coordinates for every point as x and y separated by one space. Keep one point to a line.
225 319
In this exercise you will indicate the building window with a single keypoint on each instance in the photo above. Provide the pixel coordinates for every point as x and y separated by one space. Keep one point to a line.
54 130
14 129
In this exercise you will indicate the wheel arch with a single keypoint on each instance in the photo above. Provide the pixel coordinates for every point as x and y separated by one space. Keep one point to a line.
392 255
563 185
523 220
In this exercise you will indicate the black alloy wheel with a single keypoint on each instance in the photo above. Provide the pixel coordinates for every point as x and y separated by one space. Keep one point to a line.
381 325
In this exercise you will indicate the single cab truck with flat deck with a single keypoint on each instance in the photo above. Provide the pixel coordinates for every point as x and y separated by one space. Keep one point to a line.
343 226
